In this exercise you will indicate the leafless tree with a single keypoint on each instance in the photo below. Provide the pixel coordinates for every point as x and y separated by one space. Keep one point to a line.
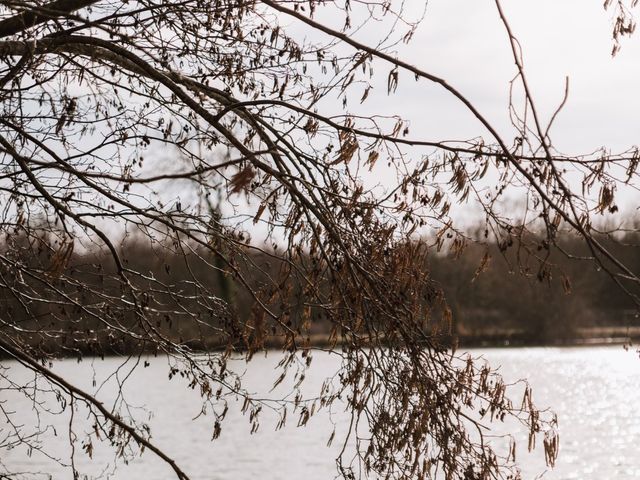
217 133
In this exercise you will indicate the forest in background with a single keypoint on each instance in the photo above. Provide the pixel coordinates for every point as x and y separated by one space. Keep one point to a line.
532 296
495 294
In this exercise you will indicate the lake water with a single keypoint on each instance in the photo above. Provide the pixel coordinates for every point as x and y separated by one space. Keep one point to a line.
593 390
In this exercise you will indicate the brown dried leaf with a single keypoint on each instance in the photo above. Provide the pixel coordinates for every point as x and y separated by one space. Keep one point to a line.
241 180
484 263
566 284
373 157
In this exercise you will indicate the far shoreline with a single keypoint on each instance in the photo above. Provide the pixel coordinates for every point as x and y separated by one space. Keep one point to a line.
321 342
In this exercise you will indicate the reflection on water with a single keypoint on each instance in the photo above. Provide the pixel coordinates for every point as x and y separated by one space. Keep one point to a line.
593 390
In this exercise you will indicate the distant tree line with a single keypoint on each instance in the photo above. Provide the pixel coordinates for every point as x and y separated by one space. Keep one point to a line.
494 295
525 296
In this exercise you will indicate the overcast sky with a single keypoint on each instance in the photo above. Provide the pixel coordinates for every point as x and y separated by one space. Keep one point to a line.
464 42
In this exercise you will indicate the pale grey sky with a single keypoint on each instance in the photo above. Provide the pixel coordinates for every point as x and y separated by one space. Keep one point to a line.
464 42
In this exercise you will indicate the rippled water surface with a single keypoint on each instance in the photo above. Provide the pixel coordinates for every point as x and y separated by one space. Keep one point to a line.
593 390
